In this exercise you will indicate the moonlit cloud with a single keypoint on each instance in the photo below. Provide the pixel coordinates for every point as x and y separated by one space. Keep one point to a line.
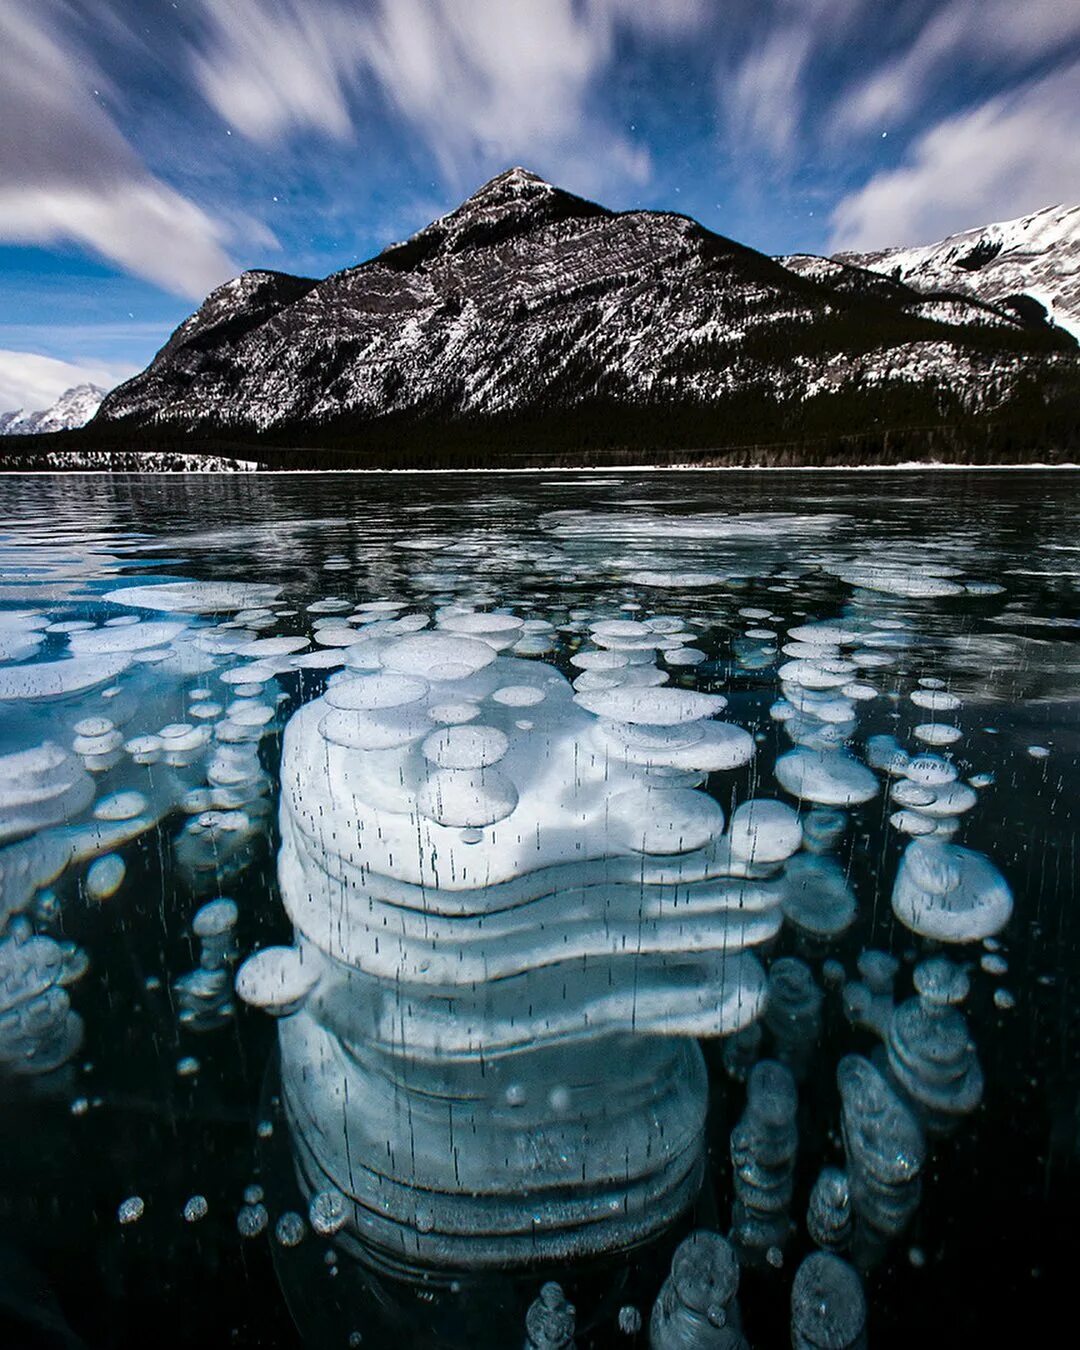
34 382
153 147
68 174
1008 156
490 81
998 33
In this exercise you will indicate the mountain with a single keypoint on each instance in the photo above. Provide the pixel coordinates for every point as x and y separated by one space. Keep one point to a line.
74 408
1036 255
529 315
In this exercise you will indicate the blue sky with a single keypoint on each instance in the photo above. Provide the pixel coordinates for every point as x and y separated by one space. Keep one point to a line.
150 149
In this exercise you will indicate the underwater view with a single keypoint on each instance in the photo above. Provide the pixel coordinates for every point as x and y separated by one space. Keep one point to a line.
497 910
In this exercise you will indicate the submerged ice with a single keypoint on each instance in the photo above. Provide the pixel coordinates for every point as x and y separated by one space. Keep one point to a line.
532 854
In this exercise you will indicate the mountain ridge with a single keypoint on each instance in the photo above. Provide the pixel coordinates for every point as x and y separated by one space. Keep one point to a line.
1037 255
529 311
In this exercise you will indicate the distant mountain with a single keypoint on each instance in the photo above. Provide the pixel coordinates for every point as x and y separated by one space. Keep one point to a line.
529 315
74 408
1036 255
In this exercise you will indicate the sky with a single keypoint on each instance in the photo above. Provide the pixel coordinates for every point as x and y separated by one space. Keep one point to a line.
151 149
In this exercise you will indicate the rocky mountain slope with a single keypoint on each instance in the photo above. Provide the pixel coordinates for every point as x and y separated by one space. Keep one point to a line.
1036 255
74 408
527 307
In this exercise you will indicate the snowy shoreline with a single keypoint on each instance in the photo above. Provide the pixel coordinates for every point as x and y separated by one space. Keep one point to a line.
248 467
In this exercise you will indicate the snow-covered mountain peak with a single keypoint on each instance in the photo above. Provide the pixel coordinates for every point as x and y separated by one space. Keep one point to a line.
1036 255
74 408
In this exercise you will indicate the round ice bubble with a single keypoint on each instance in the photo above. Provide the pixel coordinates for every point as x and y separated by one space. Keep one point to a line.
277 979
105 876
215 919
467 797
465 747
824 674
930 770
665 820
654 706
950 893
438 656
828 1306
817 896
829 777
328 1212
764 831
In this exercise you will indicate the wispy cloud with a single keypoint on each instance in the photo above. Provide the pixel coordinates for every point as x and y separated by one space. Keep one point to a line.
34 382
1009 155
481 83
994 33
68 174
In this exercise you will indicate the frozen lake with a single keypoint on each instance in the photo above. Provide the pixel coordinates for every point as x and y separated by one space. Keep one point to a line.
418 888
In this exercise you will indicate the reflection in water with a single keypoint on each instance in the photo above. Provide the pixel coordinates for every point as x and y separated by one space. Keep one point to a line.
637 855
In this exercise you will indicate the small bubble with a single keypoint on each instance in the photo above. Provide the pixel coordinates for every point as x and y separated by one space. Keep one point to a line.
253 1195
80 1106
917 1257
629 1320
252 1220
131 1210
1003 999
196 1209
187 1066
775 1257
289 1230
264 1129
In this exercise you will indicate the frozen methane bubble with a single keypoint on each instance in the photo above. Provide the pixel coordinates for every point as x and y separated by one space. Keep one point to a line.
829 777
289 1229
763 1145
629 1320
931 1054
818 898
793 1013
105 876
195 597
196 1208
205 994
828 1215
38 1029
328 1212
131 1210
764 831
42 786
652 706
828 1306
425 880
949 893
551 1320
869 1002
885 1151
251 1220
697 1308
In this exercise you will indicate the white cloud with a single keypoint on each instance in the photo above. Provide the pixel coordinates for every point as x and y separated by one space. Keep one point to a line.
1010 155
34 382
67 174
481 83
998 33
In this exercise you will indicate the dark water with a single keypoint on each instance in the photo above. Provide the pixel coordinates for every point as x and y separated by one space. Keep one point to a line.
978 574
